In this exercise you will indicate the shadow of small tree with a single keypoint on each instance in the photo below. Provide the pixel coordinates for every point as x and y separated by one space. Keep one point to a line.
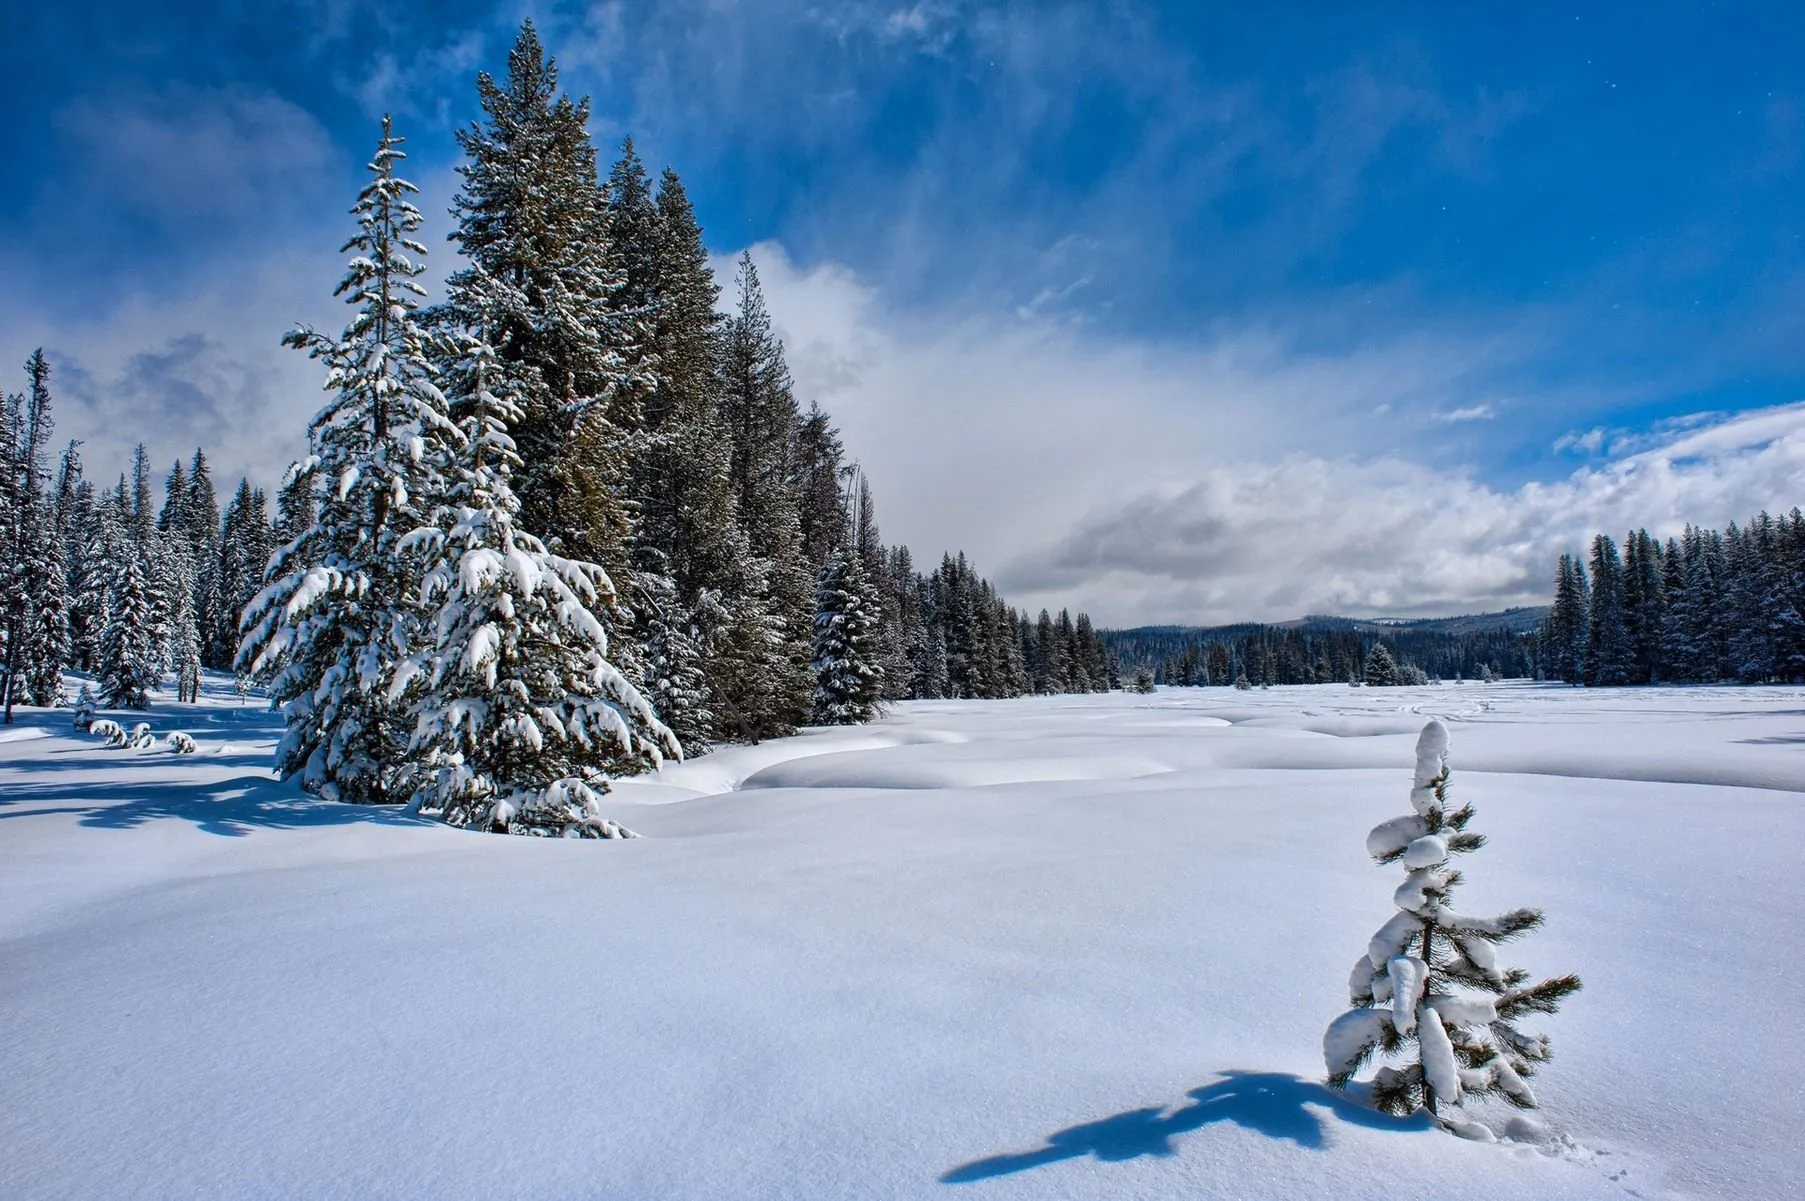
1275 1104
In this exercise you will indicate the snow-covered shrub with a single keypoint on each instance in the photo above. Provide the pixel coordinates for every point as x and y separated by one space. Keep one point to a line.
85 704
141 739
1430 979
1243 683
179 742
1142 681
108 729
1412 675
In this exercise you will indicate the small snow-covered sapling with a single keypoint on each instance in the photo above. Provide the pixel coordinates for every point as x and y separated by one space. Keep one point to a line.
85 704
108 729
141 739
1430 979
179 742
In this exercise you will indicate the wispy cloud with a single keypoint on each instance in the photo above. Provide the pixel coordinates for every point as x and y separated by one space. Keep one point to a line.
1479 412
1589 442
999 435
229 159
1273 540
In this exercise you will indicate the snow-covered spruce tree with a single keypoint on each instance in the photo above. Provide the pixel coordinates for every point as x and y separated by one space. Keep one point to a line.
48 648
1429 980
24 538
104 549
1381 669
244 551
516 697
341 609
127 667
770 684
673 649
849 678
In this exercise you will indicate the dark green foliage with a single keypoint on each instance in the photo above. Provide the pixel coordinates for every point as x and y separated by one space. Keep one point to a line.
1609 655
773 641
1708 607
1564 636
817 471
1319 651
1380 670
533 218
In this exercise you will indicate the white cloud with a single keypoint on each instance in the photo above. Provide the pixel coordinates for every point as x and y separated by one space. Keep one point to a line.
1262 541
1481 412
1588 443
1237 477
199 361
189 156
205 370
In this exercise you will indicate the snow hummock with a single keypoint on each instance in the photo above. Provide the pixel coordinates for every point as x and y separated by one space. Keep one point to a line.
977 949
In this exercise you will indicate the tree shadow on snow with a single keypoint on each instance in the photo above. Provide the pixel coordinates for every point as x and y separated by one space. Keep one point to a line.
72 758
1274 1104
230 808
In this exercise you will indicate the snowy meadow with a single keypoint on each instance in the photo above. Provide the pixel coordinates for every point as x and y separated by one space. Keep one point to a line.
1077 946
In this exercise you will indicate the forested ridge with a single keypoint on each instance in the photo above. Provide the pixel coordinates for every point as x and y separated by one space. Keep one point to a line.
1321 650
1705 606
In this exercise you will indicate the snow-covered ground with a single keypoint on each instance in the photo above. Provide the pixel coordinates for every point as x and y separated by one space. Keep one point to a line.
1044 948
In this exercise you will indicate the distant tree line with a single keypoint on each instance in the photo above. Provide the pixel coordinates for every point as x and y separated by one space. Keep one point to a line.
107 580
1320 652
1709 606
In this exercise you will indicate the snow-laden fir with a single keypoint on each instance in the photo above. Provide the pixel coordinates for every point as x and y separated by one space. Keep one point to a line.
516 701
849 678
1429 978
331 629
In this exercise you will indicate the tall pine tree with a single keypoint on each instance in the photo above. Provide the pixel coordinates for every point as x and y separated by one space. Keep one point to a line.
772 689
532 216
342 611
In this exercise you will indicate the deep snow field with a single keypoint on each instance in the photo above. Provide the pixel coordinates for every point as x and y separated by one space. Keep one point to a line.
1056 947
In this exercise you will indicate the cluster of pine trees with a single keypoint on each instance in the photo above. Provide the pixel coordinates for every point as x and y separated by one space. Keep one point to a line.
577 416
1322 651
1709 606
564 522
105 581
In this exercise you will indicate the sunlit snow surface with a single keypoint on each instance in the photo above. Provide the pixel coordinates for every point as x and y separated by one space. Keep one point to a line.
1046 948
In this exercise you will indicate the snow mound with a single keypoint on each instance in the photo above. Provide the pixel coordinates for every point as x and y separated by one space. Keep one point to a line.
914 770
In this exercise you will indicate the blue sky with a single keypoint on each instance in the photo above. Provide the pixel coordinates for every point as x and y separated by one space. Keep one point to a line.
1107 294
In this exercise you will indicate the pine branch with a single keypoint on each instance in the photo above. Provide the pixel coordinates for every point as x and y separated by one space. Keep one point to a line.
1545 997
